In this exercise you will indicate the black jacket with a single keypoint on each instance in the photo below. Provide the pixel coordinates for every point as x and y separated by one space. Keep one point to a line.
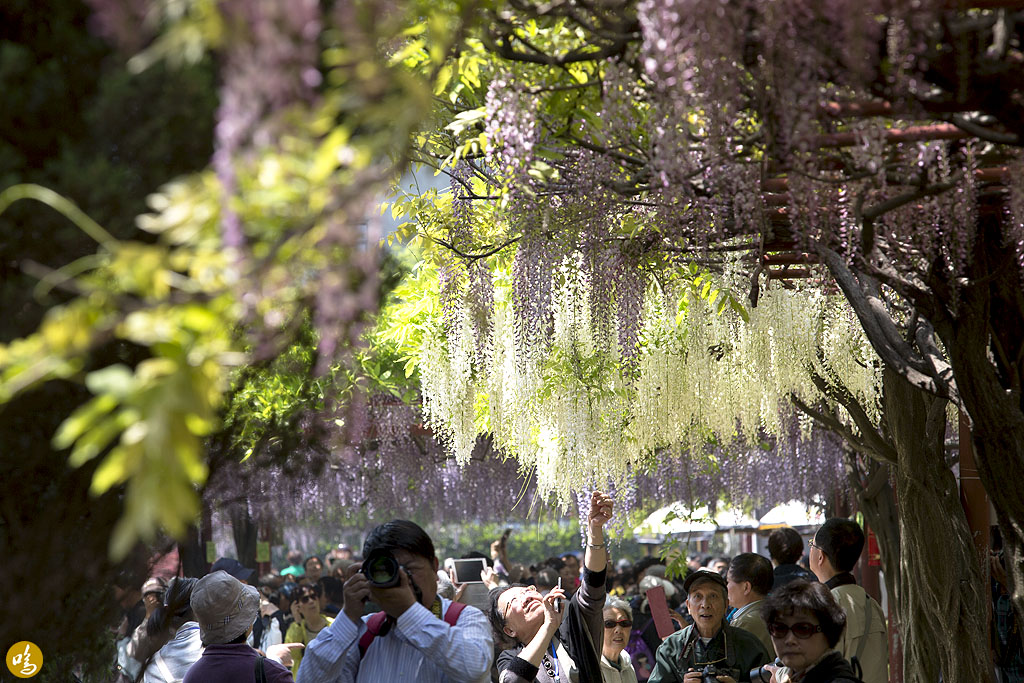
832 669
785 573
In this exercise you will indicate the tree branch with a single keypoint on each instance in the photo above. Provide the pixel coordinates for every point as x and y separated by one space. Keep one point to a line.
881 329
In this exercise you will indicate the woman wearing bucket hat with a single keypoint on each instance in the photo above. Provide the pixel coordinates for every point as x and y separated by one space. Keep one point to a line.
226 610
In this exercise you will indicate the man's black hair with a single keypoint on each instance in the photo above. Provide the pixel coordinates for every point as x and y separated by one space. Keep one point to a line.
753 568
400 534
785 545
555 563
305 563
547 578
176 604
333 588
812 597
643 564
842 541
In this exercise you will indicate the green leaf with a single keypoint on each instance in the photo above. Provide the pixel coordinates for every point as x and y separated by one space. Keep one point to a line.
82 420
117 380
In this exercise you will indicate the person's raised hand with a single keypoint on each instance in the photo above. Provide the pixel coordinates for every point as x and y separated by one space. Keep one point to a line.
356 590
395 600
552 616
601 505
490 578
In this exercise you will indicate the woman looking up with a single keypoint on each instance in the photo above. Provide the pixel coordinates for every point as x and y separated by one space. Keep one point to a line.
556 639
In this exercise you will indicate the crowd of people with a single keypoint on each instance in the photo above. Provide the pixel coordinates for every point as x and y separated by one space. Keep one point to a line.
394 614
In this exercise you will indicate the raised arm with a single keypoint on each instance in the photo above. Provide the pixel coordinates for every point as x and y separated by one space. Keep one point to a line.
595 557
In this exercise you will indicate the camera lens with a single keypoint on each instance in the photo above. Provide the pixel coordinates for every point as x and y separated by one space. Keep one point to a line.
381 570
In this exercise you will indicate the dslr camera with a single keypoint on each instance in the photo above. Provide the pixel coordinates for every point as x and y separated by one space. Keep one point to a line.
709 674
382 570
763 675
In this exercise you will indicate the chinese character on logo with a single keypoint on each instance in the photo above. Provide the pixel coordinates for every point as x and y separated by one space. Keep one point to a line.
23 660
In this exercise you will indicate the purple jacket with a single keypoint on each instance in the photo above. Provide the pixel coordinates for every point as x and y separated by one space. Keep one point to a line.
233 664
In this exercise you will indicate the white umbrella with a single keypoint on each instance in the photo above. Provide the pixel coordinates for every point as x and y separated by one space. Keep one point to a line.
730 518
676 519
795 513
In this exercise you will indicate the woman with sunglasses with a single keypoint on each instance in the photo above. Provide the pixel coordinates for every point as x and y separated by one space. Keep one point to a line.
805 622
616 666
310 622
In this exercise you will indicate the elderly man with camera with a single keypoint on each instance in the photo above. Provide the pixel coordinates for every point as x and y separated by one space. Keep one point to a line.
709 651
418 636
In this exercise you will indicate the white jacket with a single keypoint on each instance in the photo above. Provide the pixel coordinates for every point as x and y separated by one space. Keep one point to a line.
624 674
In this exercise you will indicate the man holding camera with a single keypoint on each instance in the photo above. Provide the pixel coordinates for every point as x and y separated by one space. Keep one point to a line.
418 636
710 650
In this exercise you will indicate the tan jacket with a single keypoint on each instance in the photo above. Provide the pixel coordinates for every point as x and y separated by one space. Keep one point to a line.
874 653
749 618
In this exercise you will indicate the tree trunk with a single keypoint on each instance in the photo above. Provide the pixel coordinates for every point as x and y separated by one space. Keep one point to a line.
942 604
870 481
988 361
243 528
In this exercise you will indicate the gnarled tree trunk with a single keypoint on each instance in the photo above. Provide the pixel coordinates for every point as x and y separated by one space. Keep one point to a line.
942 605
870 480
986 351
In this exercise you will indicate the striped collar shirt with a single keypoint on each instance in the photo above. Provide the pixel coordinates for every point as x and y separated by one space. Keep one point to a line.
420 648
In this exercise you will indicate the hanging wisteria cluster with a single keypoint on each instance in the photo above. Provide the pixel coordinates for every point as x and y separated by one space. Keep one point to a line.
402 471
711 129
575 414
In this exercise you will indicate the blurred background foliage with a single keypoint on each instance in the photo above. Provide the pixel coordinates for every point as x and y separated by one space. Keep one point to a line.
127 355
76 121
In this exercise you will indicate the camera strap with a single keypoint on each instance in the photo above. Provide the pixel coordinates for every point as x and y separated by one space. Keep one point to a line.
379 624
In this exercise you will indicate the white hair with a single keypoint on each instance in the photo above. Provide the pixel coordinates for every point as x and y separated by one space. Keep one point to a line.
613 602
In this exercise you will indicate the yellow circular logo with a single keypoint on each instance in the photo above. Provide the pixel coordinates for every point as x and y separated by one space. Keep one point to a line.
24 659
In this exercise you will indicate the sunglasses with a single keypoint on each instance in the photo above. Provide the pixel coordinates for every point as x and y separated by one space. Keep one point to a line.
624 623
802 630
307 598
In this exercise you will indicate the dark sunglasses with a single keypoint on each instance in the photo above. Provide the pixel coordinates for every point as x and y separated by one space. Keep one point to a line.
624 623
307 598
801 630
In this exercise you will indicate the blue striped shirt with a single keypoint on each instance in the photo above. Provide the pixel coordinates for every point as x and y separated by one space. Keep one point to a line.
420 648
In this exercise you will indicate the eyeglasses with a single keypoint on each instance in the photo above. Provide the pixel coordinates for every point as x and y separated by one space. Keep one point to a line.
519 597
802 630
812 544
624 623
307 598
